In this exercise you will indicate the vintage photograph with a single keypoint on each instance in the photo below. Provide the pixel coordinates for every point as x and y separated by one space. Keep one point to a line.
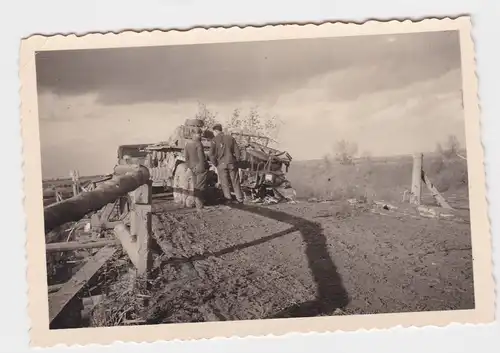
257 179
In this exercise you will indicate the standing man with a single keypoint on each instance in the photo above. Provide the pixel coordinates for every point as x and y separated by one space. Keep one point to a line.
225 155
196 161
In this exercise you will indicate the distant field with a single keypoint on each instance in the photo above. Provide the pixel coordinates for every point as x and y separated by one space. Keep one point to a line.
381 178
66 182
63 186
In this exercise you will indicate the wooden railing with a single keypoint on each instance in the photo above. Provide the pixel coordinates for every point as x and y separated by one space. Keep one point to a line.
132 186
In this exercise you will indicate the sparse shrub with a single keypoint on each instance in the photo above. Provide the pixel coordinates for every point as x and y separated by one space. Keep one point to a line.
327 163
436 166
450 175
450 149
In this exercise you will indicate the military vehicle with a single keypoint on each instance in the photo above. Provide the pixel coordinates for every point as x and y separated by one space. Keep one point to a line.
165 161
261 172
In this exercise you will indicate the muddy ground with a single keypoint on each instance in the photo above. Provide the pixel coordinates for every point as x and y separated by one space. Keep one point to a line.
304 259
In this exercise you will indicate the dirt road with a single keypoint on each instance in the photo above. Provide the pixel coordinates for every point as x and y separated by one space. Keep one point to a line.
306 259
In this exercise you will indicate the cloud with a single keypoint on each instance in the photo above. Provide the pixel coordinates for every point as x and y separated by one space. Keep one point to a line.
390 94
79 131
412 118
227 72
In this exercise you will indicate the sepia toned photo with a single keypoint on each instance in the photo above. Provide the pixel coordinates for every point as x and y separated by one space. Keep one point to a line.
253 181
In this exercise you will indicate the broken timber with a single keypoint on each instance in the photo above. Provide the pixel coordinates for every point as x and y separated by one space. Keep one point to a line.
61 299
435 193
128 181
419 177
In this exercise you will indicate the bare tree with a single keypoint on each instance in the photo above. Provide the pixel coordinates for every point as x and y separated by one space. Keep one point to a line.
452 144
450 149
254 123
235 122
345 151
205 114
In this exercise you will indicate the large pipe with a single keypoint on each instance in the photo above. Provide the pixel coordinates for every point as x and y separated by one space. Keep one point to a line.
126 178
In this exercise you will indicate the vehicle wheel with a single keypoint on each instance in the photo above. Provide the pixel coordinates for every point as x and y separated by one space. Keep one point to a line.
183 186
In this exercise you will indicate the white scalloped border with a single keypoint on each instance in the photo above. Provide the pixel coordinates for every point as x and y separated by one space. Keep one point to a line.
37 297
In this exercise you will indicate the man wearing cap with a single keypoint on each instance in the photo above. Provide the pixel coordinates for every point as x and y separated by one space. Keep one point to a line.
196 161
225 155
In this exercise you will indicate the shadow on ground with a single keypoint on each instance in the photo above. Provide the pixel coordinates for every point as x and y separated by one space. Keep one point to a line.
330 293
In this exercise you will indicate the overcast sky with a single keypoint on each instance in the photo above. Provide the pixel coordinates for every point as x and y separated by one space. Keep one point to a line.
392 94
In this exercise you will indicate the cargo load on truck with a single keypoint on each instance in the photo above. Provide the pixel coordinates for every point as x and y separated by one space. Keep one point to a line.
261 167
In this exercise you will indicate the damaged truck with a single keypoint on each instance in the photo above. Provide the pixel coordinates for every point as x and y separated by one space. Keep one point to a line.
262 168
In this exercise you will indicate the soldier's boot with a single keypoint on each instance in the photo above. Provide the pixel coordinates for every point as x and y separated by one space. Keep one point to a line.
199 205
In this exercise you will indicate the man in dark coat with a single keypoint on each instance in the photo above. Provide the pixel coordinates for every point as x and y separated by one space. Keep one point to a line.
197 162
225 155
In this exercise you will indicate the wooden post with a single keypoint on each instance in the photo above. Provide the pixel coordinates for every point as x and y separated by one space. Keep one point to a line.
416 179
140 224
139 197
75 178
143 238
138 238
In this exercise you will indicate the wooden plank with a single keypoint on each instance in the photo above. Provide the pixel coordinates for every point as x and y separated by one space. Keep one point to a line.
144 239
74 245
138 248
435 192
59 300
140 229
128 243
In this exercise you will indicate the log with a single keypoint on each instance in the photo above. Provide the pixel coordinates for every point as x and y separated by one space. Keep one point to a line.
74 245
125 180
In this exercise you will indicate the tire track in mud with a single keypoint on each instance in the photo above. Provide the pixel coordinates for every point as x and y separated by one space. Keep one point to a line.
274 262
196 284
